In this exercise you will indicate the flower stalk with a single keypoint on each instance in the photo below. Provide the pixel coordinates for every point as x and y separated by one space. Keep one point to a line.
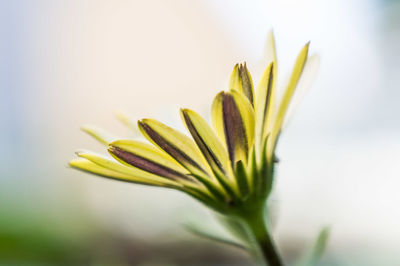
265 249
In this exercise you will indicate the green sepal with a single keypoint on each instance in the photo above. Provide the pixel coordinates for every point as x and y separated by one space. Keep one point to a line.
253 171
242 180
215 190
232 196
266 171
203 196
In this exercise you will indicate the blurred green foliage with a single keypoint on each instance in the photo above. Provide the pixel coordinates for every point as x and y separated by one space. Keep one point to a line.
32 237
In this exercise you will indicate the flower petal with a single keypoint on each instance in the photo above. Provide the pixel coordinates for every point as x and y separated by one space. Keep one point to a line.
306 80
207 141
246 111
234 80
233 120
127 122
217 117
270 48
184 150
265 103
100 165
212 149
148 158
177 145
242 82
99 134
284 104
265 106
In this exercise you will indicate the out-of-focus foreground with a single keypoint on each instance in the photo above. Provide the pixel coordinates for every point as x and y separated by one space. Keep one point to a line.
68 63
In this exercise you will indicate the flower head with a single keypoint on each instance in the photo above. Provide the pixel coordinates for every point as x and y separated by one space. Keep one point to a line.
228 166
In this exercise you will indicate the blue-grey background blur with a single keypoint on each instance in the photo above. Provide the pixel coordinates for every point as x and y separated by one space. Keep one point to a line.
68 63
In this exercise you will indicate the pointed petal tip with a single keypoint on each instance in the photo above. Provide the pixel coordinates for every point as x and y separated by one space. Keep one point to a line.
141 122
147 121
186 111
71 163
111 148
82 152
78 152
120 115
87 127
220 93
271 34
74 163
112 144
116 143
98 133
307 46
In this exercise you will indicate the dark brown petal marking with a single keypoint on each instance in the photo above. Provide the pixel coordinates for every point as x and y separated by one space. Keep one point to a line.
247 83
269 89
207 152
233 126
177 154
147 165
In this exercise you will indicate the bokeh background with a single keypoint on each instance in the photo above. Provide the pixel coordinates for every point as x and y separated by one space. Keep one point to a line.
68 63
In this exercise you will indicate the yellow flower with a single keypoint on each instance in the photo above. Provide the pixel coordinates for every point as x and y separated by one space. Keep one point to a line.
229 166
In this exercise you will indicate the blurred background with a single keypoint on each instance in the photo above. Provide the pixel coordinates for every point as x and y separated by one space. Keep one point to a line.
68 63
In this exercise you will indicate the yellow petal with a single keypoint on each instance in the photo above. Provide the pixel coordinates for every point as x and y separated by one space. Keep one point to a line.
99 134
127 122
270 49
148 158
212 149
307 78
248 117
101 166
184 150
217 117
242 82
177 145
207 141
283 106
234 80
247 83
265 104
233 120
267 88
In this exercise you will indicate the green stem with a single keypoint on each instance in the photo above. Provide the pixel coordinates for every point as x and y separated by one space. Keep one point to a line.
267 249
